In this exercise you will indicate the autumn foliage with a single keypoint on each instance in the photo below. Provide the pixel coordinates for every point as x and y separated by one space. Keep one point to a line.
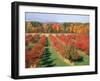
32 56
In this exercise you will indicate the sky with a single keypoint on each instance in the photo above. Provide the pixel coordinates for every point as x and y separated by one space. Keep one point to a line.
48 17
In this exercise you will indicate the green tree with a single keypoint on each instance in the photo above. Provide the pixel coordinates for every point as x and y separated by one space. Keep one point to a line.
36 24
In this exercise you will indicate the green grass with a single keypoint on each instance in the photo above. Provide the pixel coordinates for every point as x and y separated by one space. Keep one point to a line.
58 61
85 60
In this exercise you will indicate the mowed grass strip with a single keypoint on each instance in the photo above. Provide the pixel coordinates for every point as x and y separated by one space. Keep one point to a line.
58 61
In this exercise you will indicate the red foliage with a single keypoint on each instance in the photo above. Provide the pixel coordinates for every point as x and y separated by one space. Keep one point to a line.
30 38
43 39
56 26
32 56
59 42
78 40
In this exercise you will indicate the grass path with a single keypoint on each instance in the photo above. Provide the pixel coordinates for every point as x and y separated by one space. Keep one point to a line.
58 60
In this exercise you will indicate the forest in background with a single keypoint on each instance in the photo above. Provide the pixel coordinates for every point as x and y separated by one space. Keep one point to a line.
51 27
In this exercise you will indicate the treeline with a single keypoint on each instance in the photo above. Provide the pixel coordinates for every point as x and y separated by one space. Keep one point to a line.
37 27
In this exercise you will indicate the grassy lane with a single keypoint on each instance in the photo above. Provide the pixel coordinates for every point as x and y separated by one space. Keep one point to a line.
58 61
